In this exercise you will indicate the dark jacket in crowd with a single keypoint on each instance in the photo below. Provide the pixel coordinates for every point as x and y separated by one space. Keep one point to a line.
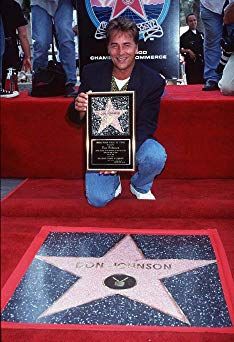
12 18
193 69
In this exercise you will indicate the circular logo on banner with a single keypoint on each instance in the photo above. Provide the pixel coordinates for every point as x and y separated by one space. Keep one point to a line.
147 14
120 281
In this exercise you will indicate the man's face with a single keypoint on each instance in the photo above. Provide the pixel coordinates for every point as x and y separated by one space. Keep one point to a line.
192 22
122 50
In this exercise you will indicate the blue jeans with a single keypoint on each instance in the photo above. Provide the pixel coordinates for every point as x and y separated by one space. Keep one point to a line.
150 161
213 25
2 47
42 35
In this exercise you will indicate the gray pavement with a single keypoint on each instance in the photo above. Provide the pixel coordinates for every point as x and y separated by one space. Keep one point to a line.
9 184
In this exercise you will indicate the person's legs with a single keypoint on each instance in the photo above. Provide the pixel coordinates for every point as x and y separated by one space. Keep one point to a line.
188 73
150 160
63 26
3 92
194 72
42 36
212 50
2 48
226 84
100 189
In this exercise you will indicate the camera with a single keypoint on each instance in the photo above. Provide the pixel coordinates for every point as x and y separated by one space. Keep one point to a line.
227 42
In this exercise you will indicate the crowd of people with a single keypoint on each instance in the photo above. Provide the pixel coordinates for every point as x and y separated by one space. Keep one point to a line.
204 58
13 26
206 55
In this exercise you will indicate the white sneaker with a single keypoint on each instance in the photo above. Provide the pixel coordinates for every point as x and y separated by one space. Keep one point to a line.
118 190
147 196
8 94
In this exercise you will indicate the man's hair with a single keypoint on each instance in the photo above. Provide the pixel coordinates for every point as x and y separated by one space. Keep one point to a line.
122 24
229 14
187 16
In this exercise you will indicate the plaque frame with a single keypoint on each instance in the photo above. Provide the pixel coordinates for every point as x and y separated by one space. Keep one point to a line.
113 148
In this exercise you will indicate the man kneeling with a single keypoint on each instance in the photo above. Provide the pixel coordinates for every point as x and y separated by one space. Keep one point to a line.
122 72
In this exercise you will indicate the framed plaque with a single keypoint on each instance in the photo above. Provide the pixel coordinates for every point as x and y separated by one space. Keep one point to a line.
110 139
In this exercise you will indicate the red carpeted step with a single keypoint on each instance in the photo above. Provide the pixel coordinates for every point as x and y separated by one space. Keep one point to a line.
195 127
175 199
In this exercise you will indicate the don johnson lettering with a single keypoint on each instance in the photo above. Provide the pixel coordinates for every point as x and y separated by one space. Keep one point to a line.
122 265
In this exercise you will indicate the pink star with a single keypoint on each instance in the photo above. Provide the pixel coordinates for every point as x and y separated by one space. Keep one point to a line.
124 258
134 5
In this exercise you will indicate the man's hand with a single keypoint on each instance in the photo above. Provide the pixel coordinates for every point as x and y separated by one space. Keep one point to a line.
81 102
191 54
229 14
27 65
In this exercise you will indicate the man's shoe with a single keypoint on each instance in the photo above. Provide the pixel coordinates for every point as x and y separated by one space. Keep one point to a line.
118 190
70 90
210 85
147 196
8 94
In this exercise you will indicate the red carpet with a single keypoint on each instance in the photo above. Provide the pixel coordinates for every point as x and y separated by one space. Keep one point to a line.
193 125
195 191
176 199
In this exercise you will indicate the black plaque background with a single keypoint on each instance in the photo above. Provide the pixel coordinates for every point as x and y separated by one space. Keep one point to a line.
167 45
90 136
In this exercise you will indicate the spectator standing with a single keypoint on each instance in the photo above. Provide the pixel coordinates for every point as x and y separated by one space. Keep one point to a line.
211 15
191 47
226 84
15 27
44 13
2 48
76 33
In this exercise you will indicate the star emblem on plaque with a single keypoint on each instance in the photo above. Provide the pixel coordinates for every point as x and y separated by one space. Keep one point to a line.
111 131
110 117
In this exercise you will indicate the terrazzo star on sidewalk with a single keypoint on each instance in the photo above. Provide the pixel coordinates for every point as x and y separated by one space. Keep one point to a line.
122 72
